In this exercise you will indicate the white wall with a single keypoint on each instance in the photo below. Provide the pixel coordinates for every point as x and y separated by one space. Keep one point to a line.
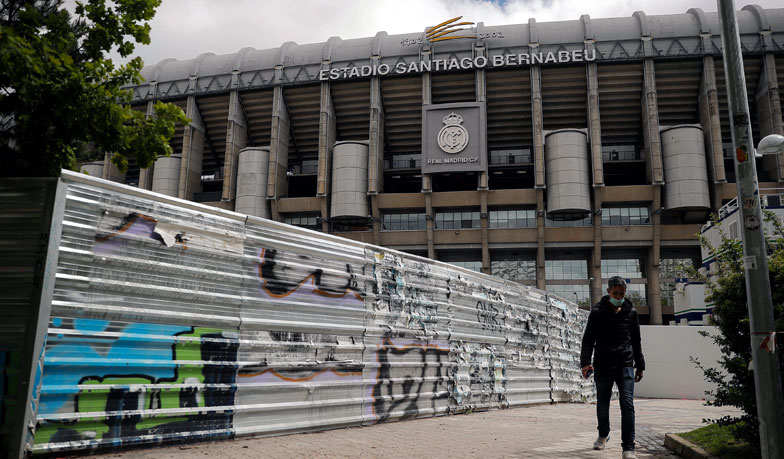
668 372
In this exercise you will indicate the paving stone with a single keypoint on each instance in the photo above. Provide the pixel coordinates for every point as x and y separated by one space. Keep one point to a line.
543 431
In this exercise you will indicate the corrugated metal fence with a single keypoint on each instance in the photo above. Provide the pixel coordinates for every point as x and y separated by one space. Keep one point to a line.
172 321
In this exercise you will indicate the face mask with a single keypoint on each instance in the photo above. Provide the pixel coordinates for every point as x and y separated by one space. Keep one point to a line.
616 303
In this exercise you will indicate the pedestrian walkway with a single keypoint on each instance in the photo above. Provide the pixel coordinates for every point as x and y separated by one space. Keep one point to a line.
544 431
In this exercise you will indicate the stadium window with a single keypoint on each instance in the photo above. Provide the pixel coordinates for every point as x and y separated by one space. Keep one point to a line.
579 293
310 221
457 219
566 269
512 218
404 221
625 216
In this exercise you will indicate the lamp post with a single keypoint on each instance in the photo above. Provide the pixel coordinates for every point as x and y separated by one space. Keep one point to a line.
767 379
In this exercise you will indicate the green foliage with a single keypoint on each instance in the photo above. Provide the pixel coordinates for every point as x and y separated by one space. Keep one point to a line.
727 292
62 100
718 441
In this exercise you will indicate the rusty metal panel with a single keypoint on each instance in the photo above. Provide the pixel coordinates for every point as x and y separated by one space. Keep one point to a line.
173 321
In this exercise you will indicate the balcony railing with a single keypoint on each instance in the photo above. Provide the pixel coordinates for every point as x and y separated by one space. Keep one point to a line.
620 153
508 157
403 163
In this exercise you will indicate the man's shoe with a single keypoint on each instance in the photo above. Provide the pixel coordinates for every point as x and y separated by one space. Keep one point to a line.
600 442
629 455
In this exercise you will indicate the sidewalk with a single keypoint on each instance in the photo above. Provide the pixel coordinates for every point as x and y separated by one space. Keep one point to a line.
545 431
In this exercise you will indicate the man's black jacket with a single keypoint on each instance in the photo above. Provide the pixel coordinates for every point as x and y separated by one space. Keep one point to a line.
614 339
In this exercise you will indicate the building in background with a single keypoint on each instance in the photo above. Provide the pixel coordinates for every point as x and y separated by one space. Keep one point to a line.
690 304
553 154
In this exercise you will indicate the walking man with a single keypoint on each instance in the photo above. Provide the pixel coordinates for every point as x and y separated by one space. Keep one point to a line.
613 337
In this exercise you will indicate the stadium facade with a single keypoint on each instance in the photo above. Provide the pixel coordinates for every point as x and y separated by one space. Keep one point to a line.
555 154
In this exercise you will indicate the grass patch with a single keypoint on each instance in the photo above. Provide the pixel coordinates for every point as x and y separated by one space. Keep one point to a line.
718 441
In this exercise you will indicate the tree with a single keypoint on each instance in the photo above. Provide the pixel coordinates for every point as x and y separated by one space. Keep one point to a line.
727 293
62 100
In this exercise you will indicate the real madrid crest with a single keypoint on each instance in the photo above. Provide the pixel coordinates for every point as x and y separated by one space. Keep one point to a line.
453 138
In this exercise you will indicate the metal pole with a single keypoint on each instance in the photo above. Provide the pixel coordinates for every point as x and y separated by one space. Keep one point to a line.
767 379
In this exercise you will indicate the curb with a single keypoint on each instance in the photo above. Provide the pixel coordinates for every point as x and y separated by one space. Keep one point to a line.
685 448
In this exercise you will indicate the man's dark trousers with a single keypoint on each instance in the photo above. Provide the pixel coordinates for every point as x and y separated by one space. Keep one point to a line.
624 378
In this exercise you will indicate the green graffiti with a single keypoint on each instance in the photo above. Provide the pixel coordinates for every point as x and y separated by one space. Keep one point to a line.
117 407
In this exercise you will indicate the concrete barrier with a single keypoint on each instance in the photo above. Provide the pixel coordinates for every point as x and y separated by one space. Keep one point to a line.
669 370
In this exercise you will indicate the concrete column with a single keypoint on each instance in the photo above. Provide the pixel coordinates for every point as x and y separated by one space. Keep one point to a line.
427 182
769 113
540 259
711 129
167 175
596 286
377 221
110 171
277 185
93 169
481 96
595 136
538 123
594 124
485 222
427 93
539 181
236 140
480 79
650 125
376 160
653 255
328 134
430 222
192 152
145 175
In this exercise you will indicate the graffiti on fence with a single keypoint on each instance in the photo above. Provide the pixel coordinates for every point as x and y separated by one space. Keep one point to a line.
410 378
487 315
114 232
149 382
404 299
478 378
283 274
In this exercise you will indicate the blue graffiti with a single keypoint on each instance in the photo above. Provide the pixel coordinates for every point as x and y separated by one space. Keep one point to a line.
97 344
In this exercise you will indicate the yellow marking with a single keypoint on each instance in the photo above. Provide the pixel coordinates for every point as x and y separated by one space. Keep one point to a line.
452 38
451 27
444 23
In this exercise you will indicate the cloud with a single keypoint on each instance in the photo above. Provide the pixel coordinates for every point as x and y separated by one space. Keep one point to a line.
183 29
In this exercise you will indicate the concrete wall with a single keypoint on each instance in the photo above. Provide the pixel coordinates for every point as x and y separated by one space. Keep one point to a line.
174 321
669 373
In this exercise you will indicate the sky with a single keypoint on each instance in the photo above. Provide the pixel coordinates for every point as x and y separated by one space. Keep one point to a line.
183 29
